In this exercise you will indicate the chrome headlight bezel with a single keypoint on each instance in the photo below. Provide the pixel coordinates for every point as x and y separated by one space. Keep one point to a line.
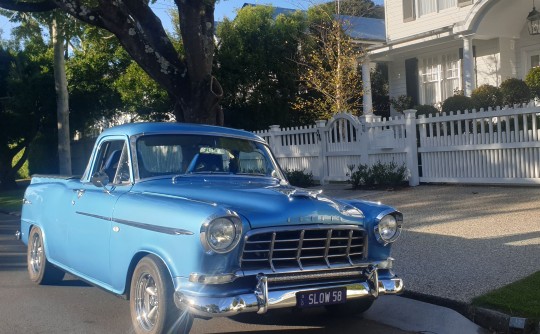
206 233
391 218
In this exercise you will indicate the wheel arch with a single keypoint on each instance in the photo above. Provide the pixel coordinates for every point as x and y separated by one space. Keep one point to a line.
133 263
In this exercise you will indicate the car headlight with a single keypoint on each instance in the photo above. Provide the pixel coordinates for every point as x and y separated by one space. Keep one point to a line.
221 234
389 228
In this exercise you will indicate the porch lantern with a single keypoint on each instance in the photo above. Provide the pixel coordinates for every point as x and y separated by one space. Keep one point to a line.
533 21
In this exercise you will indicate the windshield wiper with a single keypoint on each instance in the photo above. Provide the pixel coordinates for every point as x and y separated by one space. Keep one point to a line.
251 174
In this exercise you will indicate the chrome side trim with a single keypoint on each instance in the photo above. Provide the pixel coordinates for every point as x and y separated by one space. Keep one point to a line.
176 197
155 228
93 215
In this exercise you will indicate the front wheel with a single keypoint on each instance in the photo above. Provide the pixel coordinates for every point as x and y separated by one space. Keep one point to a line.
40 269
353 307
151 300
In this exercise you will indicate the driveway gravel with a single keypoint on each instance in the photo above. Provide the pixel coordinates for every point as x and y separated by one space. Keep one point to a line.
459 242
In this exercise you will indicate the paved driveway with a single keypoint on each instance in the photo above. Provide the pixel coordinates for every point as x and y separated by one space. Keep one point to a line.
460 242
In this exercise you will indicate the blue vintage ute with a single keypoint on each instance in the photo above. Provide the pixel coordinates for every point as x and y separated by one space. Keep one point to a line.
199 221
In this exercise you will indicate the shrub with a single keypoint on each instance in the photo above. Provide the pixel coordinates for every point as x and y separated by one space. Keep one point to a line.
515 91
425 109
300 178
533 81
23 172
379 174
456 102
43 154
401 103
486 96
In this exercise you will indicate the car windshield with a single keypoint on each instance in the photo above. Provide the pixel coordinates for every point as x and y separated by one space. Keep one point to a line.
159 155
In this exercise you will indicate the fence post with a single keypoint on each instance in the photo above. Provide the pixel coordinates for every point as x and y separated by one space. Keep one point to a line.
274 131
365 141
321 134
411 146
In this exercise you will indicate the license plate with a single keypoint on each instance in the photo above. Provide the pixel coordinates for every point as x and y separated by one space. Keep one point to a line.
321 297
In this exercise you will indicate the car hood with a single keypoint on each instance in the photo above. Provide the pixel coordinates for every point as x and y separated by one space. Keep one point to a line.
261 202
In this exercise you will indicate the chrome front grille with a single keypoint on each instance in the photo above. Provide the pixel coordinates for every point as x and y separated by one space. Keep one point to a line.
301 247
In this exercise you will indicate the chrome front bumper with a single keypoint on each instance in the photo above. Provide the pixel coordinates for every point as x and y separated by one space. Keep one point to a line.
262 300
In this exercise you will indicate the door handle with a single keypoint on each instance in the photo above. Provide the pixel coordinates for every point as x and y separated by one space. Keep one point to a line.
80 193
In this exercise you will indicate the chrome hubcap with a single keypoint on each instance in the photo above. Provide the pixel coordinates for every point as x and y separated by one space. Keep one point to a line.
146 301
36 253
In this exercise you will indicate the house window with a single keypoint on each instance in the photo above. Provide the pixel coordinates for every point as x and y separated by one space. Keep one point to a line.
535 61
409 11
429 80
444 4
425 7
439 78
451 81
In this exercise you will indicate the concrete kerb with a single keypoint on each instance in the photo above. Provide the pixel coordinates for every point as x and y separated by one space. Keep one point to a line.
494 321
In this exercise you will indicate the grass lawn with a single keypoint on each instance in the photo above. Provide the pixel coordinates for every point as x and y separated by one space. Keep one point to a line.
521 298
11 200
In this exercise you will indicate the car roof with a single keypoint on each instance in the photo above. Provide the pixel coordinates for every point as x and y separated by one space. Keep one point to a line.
135 129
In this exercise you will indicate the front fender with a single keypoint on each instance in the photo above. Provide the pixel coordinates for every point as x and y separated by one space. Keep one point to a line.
373 213
167 227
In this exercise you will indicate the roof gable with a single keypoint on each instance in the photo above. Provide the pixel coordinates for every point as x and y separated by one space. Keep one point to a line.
358 28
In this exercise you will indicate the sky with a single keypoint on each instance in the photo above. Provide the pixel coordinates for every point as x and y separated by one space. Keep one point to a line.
224 8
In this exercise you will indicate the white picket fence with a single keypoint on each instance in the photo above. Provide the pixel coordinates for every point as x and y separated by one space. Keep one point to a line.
500 146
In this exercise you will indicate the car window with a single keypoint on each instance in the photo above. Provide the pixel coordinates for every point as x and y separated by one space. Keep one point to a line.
122 175
188 154
113 160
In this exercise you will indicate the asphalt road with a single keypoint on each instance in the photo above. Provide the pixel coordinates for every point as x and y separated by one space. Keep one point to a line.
76 307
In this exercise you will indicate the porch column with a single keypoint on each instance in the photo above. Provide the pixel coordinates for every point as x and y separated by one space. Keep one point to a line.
366 86
468 66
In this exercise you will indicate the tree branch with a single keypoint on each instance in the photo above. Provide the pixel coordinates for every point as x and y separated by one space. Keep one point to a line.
35 7
140 32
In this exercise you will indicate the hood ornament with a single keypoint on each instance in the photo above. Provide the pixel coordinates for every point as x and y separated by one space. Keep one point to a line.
297 192
343 208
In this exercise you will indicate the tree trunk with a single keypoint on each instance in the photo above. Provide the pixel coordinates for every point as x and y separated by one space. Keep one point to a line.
62 99
203 108
197 29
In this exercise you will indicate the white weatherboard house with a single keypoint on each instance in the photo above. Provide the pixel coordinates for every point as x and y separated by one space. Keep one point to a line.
434 47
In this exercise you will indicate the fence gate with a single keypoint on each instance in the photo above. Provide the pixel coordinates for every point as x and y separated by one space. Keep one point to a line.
342 147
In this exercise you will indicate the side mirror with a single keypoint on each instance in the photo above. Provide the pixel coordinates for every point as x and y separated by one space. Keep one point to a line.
100 179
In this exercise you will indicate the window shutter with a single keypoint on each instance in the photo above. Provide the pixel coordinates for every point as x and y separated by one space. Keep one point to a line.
409 12
463 3
411 79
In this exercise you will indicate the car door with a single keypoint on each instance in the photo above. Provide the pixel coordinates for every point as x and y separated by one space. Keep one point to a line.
90 226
